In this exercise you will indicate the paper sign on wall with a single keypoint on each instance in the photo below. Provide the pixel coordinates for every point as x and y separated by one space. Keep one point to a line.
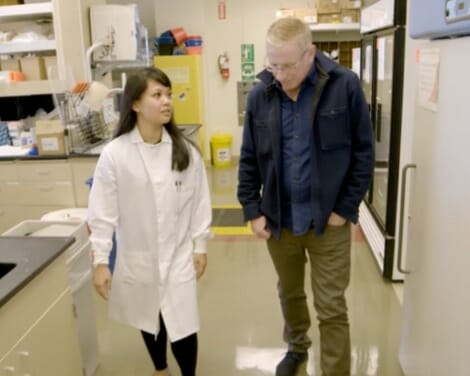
428 78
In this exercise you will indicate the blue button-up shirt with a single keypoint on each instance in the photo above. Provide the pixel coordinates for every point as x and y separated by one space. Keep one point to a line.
297 133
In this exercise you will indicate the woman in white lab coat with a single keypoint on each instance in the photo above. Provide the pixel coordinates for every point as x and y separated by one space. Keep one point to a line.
150 188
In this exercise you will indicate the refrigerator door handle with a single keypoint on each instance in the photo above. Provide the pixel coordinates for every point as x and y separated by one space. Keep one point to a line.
402 215
378 133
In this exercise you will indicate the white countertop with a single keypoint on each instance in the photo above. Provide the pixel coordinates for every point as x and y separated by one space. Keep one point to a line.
7 151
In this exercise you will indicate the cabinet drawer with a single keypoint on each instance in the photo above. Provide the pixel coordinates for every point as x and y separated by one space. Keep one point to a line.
44 171
8 171
10 215
46 193
9 192
54 330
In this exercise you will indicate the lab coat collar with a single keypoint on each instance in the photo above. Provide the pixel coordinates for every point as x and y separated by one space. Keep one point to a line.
136 138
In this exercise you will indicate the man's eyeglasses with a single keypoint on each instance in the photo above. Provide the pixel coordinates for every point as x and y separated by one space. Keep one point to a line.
274 68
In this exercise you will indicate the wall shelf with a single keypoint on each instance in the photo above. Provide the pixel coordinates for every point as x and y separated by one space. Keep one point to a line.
70 21
336 32
18 89
26 12
23 47
14 13
328 27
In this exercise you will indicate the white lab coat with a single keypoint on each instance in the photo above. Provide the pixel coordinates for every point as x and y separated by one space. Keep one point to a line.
161 217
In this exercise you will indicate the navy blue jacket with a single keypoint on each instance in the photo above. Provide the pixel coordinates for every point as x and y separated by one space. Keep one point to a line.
342 148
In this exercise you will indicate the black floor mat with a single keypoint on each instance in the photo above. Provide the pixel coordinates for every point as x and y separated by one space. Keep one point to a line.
227 218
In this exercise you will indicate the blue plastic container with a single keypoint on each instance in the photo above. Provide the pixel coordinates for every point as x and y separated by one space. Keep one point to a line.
165 40
193 42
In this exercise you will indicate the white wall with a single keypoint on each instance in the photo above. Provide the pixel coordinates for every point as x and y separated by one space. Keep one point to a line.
246 22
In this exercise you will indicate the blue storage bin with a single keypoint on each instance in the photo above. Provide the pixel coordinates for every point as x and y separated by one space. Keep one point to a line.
193 42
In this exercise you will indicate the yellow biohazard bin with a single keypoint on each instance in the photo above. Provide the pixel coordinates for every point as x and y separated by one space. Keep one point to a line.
221 145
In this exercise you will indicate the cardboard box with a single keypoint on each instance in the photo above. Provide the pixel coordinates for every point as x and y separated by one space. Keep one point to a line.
10 2
351 4
330 18
49 61
11 65
50 137
284 13
350 15
33 68
307 15
328 6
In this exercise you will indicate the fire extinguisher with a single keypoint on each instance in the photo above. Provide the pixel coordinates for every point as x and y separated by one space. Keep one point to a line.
224 69
221 9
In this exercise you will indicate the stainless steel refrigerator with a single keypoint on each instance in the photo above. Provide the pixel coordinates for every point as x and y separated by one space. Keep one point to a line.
382 71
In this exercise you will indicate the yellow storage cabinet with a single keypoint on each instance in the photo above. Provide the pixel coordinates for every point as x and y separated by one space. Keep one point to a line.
185 72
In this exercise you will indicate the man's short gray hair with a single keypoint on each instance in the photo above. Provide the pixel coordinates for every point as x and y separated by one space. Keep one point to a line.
287 29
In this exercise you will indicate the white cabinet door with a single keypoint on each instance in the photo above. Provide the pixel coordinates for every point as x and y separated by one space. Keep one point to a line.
82 169
37 326
50 347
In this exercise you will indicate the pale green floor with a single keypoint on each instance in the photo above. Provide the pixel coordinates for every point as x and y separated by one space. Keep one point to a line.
241 323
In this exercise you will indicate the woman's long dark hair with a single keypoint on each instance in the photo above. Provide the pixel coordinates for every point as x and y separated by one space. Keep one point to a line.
135 87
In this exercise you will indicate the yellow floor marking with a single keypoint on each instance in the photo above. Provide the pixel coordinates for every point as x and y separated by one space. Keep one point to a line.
230 230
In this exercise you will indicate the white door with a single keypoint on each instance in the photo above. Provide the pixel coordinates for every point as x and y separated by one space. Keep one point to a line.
436 305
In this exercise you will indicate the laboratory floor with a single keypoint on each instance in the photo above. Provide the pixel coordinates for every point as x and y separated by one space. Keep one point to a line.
241 324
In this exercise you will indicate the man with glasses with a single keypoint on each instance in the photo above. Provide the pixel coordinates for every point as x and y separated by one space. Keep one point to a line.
305 164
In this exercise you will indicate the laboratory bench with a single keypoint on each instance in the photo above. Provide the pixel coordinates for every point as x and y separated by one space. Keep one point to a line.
22 258
31 186
36 308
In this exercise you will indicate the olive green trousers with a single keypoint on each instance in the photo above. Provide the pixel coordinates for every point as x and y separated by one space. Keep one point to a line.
330 261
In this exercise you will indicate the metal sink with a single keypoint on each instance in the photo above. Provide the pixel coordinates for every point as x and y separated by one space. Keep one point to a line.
24 257
6 267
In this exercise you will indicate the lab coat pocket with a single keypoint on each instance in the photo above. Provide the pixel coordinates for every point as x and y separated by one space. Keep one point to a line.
136 267
184 194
